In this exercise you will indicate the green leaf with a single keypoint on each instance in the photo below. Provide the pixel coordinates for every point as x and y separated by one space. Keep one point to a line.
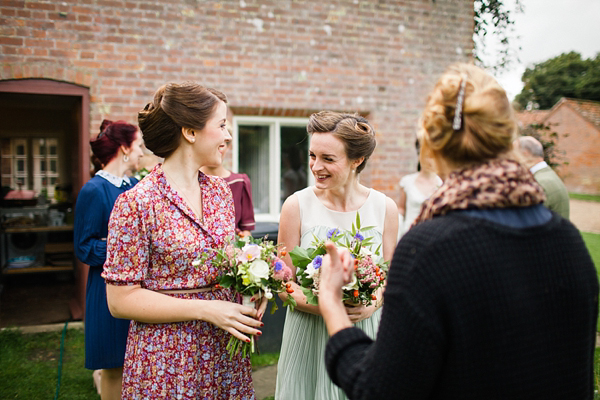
300 257
290 302
274 308
310 297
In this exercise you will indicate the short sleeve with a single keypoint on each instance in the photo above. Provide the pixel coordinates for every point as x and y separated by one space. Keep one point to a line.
128 244
404 182
247 220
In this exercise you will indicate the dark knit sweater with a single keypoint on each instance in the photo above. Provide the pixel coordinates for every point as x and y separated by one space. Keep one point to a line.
478 310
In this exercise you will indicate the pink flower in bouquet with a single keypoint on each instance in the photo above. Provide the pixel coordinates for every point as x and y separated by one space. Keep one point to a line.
250 252
282 271
232 252
368 272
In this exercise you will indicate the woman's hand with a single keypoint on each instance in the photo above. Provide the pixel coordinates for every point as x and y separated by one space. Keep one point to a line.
234 318
359 312
260 304
336 271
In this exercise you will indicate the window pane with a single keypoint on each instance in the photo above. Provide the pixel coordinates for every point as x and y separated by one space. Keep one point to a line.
6 166
6 149
53 166
294 160
20 149
42 165
39 148
254 161
52 150
20 165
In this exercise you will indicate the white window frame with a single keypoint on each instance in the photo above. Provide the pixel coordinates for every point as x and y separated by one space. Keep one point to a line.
274 124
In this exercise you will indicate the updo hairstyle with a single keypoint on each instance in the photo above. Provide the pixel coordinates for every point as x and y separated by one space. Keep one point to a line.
355 132
488 125
176 106
112 136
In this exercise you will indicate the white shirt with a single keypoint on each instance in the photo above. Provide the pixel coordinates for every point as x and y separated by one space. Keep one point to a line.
115 180
538 166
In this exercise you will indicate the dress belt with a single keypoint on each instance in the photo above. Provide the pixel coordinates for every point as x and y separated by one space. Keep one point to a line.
197 290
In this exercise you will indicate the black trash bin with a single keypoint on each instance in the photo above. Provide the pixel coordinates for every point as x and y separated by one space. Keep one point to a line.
270 340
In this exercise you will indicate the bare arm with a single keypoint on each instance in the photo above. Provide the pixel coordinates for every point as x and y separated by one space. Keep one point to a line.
134 302
289 236
402 202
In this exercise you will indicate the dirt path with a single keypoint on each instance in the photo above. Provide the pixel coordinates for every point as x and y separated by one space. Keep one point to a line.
585 215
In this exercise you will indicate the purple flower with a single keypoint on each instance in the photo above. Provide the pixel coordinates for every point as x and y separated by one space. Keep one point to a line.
317 262
359 237
332 232
278 266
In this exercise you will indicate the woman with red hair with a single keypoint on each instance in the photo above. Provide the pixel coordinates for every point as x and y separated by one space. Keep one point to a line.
117 149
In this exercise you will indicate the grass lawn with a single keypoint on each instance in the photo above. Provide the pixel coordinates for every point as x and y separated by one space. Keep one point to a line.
586 197
29 366
592 241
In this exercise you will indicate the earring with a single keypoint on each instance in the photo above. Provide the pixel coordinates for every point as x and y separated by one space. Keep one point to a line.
125 158
193 140
353 171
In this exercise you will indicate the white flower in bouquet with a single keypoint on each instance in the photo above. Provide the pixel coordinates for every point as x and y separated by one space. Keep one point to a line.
258 270
314 267
352 285
365 251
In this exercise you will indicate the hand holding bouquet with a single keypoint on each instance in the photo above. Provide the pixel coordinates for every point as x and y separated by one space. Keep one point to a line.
368 275
251 268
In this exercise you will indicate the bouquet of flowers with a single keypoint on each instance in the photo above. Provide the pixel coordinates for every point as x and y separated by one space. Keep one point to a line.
369 275
252 267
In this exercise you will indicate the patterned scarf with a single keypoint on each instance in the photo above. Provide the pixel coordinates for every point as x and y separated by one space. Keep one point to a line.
499 183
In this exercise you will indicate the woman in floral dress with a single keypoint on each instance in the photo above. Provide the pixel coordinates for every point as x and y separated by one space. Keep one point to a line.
181 321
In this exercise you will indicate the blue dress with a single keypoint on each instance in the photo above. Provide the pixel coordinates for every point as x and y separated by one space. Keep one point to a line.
105 336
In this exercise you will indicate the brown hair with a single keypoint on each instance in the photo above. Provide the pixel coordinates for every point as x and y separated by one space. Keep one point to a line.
353 130
488 125
176 106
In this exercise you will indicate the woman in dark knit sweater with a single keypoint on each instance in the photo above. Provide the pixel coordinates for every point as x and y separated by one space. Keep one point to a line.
490 295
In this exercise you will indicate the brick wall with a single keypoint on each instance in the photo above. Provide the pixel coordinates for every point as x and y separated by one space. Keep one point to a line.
579 139
375 57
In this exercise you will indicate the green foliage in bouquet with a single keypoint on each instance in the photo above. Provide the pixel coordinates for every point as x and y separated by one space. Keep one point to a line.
368 276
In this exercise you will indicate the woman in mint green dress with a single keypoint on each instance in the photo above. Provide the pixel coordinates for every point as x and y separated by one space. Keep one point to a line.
339 148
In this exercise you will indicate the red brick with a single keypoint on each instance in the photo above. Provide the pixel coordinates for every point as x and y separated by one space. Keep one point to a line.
11 41
40 6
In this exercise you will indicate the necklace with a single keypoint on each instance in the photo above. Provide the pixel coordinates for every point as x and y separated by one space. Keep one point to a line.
190 203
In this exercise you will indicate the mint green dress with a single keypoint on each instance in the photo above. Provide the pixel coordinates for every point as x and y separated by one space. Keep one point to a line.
301 372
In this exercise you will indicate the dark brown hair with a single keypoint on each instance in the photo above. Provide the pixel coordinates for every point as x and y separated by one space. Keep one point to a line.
176 106
112 136
353 130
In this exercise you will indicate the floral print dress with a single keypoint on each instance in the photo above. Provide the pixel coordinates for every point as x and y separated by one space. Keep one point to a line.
152 240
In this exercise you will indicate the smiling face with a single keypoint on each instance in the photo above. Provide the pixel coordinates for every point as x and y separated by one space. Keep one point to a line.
328 161
212 140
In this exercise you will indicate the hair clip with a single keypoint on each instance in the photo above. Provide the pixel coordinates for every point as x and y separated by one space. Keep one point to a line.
457 123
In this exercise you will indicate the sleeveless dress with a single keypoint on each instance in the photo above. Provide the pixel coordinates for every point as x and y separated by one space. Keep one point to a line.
301 371
414 199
